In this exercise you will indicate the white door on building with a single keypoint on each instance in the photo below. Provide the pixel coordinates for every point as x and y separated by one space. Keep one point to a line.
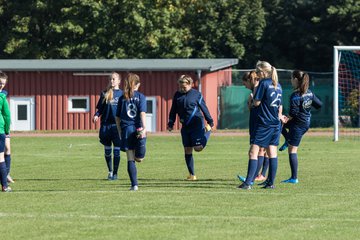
22 110
151 114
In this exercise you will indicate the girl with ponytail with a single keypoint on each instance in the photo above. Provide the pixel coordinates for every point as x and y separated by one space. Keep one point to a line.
266 132
301 101
108 134
131 125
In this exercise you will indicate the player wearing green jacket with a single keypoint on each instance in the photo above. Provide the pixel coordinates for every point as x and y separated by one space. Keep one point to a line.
4 130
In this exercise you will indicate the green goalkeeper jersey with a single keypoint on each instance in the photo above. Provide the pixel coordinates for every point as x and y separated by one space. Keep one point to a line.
4 115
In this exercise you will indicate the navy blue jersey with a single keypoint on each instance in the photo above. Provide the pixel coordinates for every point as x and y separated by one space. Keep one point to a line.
187 106
300 107
4 92
129 110
271 100
107 111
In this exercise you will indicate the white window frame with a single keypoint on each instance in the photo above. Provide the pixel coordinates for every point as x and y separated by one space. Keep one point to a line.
153 114
70 104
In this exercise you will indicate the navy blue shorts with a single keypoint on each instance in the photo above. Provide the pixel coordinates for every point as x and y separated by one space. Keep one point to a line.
193 137
129 141
109 135
2 142
296 132
267 135
252 135
252 124
128 138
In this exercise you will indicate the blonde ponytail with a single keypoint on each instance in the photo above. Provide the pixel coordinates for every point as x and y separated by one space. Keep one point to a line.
268 71
274 77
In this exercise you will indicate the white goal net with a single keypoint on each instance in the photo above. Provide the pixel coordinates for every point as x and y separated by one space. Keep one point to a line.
346 92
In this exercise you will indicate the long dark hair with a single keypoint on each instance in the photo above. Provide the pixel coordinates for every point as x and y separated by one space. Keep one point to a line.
303 81
131 81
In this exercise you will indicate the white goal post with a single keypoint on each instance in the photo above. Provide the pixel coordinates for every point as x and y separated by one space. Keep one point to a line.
349 85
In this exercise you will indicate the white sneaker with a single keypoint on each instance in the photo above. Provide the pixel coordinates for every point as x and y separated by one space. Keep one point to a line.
9 179
134 188
8 189
110 176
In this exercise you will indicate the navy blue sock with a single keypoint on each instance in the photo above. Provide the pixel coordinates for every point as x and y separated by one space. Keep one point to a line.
273 164
206 139
7 162
285 133
107 150
259 166
132 172
3 174
116 159
252 166
190 163
293 164
265 166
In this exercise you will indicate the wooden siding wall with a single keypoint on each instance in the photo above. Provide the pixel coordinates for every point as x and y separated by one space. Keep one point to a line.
210 90
52 89
163 86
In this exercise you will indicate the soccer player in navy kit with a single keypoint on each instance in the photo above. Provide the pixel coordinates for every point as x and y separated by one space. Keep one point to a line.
268 98
190 106
301 101
251 82
3 81
131 124
108 134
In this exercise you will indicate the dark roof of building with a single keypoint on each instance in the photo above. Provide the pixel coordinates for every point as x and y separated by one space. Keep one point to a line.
91 65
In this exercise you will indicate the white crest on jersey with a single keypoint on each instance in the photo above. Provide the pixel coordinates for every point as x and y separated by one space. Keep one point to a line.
307 104
114 101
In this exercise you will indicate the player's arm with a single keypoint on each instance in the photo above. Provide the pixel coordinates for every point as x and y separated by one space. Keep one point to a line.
316 102
99 108
118 121
256 103
282 117
172 114
6 115
250 100
143 123
205 111
294 106
117 116
143 110
259 94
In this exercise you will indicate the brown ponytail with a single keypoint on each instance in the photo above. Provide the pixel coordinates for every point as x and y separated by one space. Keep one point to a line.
303 81
130 82
251 77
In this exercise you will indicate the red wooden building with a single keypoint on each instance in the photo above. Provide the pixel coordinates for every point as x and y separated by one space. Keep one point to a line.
62 94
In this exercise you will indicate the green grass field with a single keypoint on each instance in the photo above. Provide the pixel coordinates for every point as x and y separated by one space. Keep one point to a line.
61 193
